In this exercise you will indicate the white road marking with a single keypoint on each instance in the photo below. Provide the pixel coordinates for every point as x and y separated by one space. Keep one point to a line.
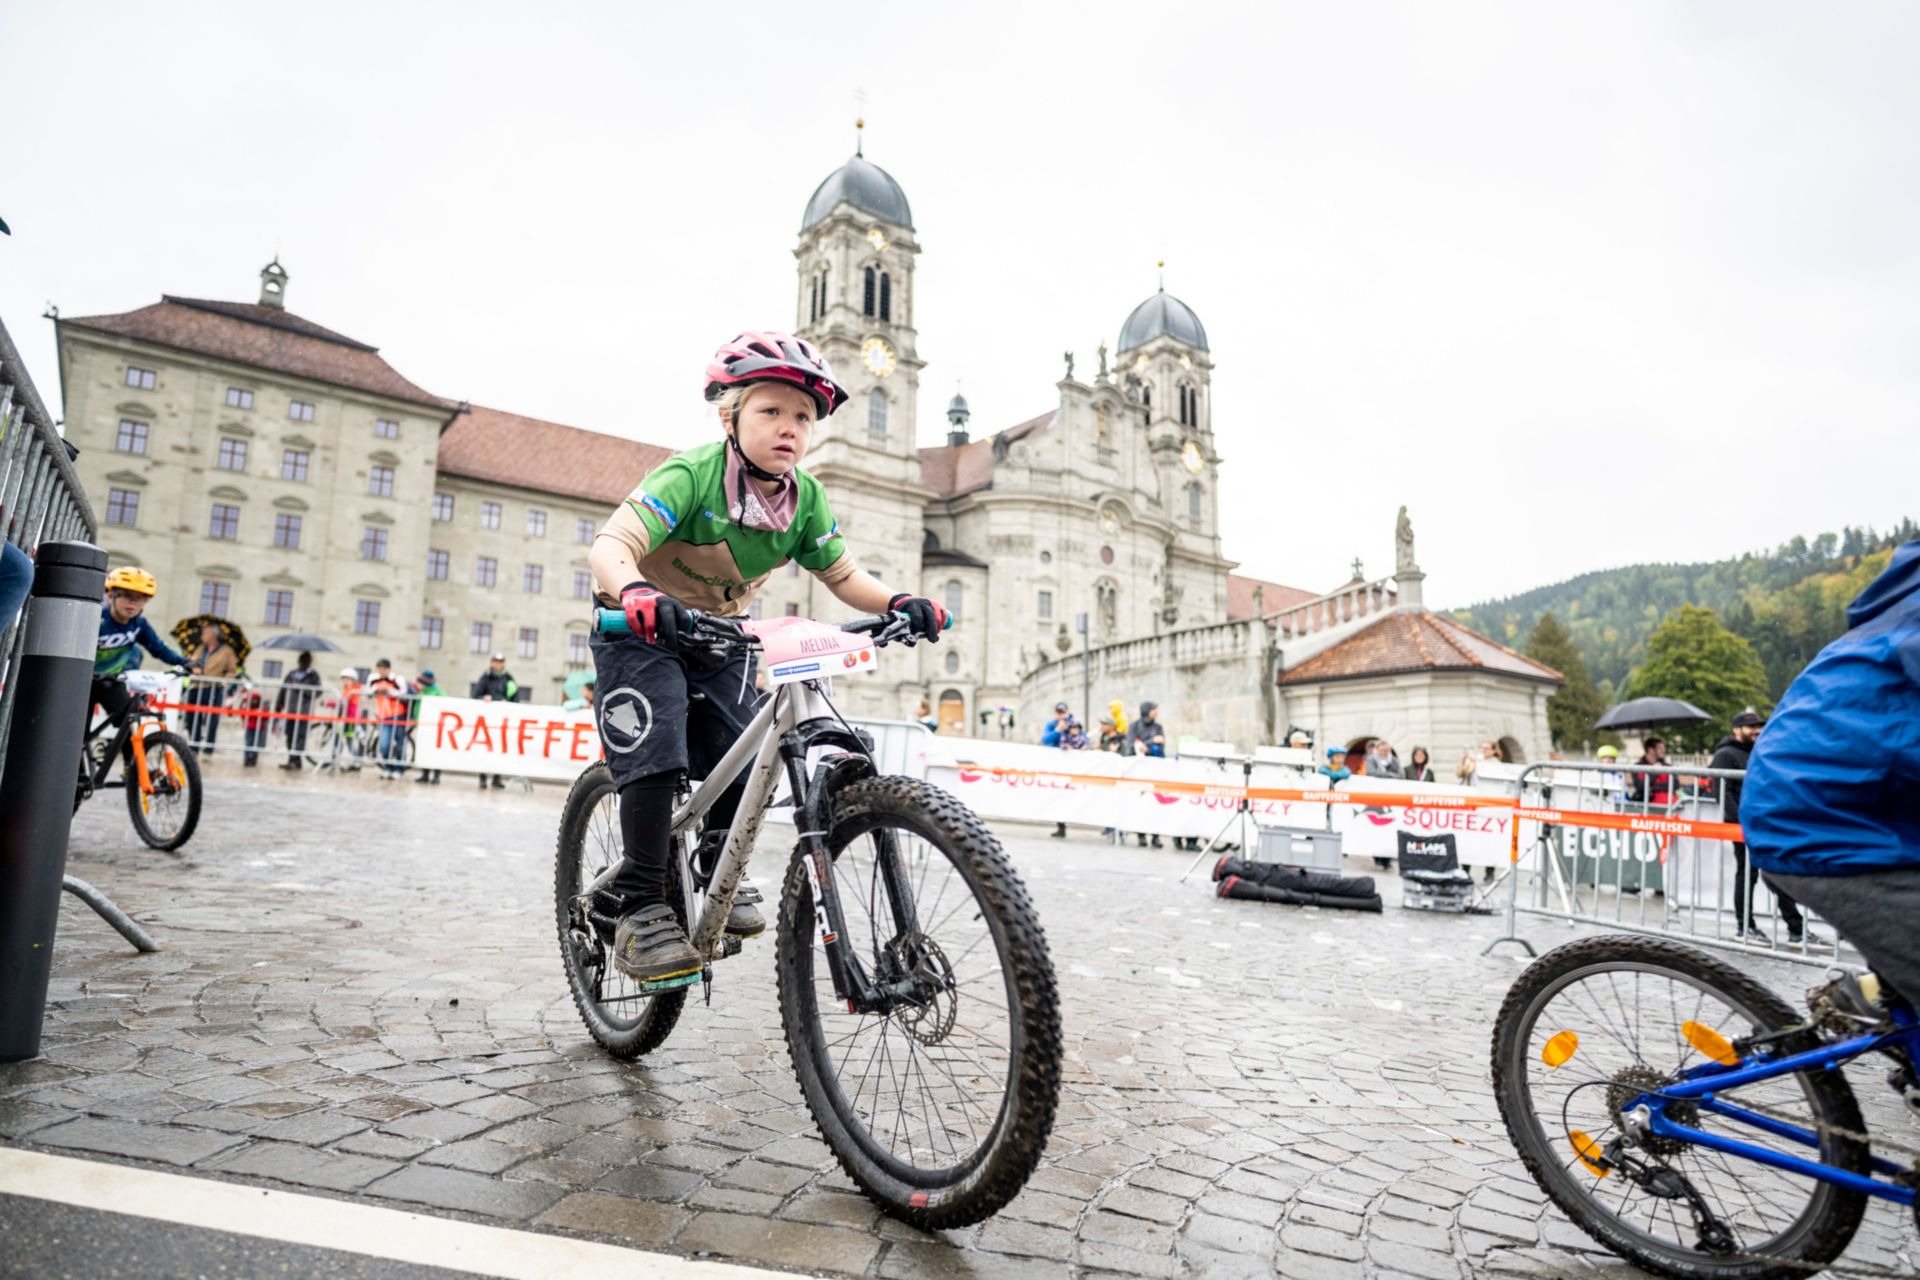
368 1230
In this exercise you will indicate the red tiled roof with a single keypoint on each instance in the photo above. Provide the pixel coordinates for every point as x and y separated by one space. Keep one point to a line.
1273 596
528 453
265 338
952 470
1413 640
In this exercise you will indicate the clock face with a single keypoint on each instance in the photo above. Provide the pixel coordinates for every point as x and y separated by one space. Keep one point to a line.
878 239
1191 457
1186 361
878 356
1140 364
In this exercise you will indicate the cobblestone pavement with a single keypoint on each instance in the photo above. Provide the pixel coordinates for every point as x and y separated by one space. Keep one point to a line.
361 995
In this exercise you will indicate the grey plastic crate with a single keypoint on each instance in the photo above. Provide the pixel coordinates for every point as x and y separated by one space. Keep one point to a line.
1307 849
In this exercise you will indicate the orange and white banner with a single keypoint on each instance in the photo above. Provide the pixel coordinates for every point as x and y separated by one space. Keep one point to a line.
518 739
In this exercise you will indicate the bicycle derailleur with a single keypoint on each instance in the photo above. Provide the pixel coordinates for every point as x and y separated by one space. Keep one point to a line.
1657 1178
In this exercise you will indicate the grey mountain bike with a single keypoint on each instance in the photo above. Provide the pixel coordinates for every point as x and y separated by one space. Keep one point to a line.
916 991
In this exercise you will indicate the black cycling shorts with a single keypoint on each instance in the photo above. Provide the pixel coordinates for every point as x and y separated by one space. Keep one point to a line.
657 712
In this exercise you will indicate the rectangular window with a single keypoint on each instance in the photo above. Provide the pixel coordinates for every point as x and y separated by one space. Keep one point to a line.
286 531
432 631
293 465
1043 604
238 399
123 506
529 643
443 507
214 597
532 578
272 668
224 523
366 617
537 524
486 571
279 609
300 411
373 543
380 482
582 585
132 437
141 378
480 637
583 532
437 565
790 610
386 428
489 515
232 455
577 652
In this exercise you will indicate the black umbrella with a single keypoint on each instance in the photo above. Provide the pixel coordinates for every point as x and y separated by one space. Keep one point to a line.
187 632
299 640
1651 713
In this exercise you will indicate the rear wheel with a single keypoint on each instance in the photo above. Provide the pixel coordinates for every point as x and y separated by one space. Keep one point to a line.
165 814
621 1018
1594 1026
940 1107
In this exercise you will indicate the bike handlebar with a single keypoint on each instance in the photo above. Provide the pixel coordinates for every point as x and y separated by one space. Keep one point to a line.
711 628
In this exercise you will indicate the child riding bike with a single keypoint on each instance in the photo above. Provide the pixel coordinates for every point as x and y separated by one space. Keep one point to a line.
705 530
124 631
1831 805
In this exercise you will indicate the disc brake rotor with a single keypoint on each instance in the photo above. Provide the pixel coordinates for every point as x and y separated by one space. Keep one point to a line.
930 1021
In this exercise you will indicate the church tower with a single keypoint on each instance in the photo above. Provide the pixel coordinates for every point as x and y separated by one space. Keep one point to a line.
1167 371
854 266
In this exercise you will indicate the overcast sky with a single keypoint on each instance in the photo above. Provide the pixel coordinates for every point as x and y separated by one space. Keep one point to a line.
1580 285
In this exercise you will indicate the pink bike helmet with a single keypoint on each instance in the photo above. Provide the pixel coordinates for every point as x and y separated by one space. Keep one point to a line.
766 355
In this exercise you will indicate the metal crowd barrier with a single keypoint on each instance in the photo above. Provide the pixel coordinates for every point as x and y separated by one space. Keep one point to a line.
324 727
1647 849
40 499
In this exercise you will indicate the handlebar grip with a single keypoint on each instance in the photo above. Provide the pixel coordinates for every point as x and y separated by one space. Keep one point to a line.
611 622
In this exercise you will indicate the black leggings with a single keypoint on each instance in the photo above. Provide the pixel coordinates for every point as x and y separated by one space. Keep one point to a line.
646 816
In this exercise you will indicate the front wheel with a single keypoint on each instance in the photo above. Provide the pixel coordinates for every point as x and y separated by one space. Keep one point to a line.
622 1019
1596 1025
939 1108
166 812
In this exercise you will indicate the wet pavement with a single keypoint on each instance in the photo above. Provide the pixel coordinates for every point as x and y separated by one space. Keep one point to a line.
360 995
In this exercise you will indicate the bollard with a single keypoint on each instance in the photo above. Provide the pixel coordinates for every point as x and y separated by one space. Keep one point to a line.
52 688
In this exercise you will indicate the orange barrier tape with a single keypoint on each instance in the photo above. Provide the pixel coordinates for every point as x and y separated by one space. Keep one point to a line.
1654 824
261 713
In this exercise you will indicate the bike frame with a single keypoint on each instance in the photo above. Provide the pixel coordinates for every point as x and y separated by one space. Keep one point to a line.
796 720
1702 1084
135 727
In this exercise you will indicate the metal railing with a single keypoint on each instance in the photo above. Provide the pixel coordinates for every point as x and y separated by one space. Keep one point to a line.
1648 849
40 498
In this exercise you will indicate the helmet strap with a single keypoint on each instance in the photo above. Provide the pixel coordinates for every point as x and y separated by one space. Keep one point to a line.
747 464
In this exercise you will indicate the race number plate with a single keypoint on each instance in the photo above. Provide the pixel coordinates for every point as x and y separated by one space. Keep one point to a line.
797 649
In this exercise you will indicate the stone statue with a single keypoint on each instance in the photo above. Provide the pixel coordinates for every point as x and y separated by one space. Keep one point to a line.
1403 545
1103 357
1109 608
1068 356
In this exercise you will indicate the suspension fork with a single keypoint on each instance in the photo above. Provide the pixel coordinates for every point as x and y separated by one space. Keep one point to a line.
814 810
139 740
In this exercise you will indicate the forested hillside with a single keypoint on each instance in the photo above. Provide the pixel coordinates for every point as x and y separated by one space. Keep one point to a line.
1786 603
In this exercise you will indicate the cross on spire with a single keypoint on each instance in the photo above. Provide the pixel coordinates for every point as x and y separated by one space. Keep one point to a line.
860 122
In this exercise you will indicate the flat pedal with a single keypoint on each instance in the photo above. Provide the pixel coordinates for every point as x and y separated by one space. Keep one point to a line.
678 980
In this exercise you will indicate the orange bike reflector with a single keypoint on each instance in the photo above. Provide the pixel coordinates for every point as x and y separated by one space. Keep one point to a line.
1589 1153
1710 1043
1559 1049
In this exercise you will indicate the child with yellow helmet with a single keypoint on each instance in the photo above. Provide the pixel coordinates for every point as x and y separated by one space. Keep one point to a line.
124 631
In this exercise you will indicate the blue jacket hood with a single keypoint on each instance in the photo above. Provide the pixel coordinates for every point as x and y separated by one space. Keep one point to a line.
1897 582
1833 786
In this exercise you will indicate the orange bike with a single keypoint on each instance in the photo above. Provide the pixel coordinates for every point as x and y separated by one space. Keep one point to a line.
159 773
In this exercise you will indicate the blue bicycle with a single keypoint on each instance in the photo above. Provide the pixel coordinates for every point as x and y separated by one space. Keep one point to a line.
1686 1118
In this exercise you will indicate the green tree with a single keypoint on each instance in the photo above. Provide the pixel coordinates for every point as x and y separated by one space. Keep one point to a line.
1693 658
1572 711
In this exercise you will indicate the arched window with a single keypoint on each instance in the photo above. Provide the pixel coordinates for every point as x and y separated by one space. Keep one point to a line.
1193 406
954 593
867 301
813 299
953 664
1193 502
1183 404
886 296
824 269
877 412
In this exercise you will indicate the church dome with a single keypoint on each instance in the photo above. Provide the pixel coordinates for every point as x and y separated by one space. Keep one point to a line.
864 185
1163 314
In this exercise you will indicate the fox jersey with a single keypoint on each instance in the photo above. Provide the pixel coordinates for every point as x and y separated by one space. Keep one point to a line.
120 643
